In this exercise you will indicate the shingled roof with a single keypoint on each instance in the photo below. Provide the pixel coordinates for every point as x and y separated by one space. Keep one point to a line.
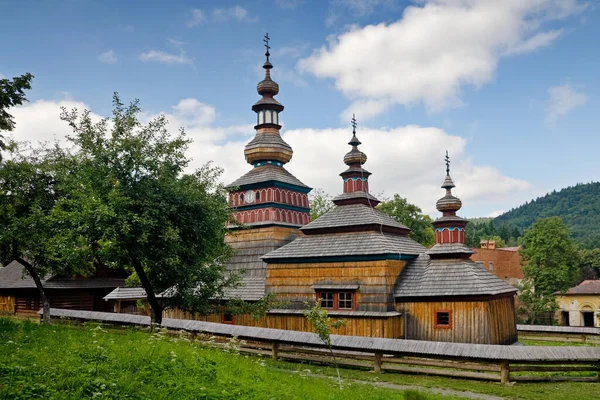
267 173
586 287
352 217
14 276
424 277
307 248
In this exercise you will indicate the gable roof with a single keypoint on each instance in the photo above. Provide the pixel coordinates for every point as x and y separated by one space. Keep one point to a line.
424 277
14 276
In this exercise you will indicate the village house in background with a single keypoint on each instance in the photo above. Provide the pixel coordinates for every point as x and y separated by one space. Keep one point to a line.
20 296
580 305
504 262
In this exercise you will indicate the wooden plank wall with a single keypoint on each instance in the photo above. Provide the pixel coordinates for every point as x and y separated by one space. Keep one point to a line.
293 282
385 327
482 322
7 304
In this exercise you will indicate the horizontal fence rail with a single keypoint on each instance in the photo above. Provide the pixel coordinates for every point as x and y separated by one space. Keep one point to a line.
475 361
550 333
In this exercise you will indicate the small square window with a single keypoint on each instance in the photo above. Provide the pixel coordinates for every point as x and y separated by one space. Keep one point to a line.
345 300
443 319
326 299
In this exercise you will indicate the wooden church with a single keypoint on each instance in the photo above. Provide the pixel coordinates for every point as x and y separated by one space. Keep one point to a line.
355 261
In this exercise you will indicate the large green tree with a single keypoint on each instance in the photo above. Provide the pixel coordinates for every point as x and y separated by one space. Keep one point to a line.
411 216
29 189
550 264
132 200
12 93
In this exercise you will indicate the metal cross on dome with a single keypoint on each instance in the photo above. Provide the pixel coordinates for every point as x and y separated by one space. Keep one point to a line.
353 122
266 40
447 163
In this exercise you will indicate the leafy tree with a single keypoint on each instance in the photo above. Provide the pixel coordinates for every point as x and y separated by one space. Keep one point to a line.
137 208
550 263
322 326
578 206
12 93
320 203
590 264
411 216
29 188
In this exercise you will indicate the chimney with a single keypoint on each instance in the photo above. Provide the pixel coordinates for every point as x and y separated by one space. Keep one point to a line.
483 244
491 244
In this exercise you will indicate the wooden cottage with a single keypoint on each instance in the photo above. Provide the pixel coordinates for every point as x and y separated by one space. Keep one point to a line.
20 296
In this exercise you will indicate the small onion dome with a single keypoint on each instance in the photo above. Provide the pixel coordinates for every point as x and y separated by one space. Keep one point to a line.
355 156
448 203
267 86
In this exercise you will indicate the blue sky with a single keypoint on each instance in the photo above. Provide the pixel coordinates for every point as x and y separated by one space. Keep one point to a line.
510 88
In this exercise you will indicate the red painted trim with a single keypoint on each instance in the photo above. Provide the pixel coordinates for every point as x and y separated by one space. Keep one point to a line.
435 324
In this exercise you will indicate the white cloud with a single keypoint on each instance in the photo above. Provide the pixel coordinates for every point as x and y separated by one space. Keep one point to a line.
237 13
435 49
563 99
164 57
108 57
197 17
405 160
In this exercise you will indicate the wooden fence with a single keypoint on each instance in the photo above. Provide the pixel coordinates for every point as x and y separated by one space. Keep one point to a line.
550 333
474 361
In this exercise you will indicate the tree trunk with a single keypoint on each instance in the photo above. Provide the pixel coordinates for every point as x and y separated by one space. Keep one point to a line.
38 282
156 314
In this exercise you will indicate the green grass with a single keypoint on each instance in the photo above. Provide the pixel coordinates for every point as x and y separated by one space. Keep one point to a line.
71 362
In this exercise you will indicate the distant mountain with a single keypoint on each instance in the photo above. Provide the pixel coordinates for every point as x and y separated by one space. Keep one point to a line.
578 206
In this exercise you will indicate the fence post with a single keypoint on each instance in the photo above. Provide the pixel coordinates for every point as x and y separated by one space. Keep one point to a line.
274 350
377 362
504 372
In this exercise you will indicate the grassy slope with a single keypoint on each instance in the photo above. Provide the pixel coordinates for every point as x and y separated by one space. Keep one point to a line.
67 362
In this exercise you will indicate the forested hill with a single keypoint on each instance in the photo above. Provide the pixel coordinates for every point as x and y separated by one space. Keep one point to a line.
578 206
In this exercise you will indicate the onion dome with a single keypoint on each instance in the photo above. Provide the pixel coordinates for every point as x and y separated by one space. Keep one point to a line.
356 178
267 147
355 157
449 204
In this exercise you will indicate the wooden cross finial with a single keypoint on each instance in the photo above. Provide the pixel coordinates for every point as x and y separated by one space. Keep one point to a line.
266 40
447 163
353 122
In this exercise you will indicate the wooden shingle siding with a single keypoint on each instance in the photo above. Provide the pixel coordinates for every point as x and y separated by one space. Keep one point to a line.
375 280
481 322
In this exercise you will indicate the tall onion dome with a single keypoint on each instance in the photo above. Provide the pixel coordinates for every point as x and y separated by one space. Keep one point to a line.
449 228
356 178
267 147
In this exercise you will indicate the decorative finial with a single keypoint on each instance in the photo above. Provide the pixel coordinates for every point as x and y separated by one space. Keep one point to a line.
266 40
353 122
447 163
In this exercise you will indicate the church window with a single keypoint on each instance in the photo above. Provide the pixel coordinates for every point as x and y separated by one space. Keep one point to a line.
326 299
345 300
335 300
275 117
268 118
491 267
443 319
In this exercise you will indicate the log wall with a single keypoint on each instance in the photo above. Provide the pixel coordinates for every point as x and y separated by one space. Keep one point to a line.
294 282
477 321
384 327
